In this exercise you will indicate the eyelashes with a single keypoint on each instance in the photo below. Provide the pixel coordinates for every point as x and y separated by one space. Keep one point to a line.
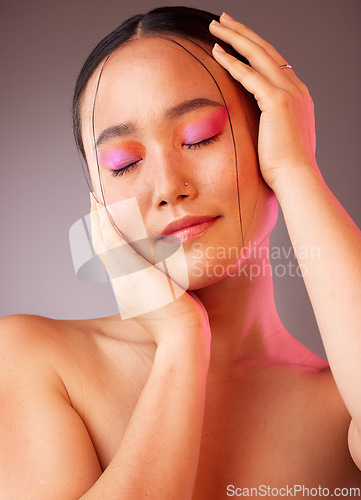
196 145
204 142
123 170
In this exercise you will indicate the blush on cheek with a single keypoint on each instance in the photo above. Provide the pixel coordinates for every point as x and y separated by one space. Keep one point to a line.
205 127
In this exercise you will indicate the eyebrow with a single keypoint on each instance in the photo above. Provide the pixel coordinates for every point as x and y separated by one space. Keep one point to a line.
127 128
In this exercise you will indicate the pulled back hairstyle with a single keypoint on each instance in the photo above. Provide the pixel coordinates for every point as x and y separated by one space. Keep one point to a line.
185 22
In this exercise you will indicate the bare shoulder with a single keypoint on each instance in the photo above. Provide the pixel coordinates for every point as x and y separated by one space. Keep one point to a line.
39 428
31 337
21 332
308 381
27 342
69 388
314 413
317 383
68 351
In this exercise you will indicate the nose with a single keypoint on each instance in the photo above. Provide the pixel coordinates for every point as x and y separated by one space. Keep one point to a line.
171 183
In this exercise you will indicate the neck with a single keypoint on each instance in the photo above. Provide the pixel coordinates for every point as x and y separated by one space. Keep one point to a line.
242 313
244 322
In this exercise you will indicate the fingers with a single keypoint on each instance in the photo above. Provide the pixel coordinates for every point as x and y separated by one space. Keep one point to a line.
111 237
244 30
262 56
257 55
106 238
117 254
139 287
251 80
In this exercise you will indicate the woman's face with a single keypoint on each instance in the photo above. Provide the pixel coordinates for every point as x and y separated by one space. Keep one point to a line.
166 155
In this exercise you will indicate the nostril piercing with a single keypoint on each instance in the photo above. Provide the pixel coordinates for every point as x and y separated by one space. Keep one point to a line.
186 183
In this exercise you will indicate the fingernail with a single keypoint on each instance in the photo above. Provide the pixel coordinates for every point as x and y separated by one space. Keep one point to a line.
216 23
219 49
227 16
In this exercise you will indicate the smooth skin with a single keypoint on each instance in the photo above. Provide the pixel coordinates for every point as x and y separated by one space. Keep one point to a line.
312 214
209 390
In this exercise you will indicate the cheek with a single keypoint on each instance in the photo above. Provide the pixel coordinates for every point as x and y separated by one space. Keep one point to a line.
247 158
218 171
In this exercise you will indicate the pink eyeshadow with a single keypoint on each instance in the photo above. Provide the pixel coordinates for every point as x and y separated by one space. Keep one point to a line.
119 158
206 127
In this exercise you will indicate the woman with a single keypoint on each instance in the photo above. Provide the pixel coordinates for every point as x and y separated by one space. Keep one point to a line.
197 391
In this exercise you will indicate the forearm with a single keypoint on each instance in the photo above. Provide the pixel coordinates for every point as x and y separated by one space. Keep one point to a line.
158 455
327 244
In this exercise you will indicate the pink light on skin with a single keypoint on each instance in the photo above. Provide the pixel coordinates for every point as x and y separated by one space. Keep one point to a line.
204 127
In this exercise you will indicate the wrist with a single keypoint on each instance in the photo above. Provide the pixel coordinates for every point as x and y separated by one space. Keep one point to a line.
189 349
295 179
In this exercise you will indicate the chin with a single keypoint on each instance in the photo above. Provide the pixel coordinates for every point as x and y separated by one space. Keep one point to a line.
197 283
192 273
202 274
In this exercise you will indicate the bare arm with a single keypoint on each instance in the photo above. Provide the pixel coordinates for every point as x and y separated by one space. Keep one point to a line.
326 241
45 449
328 248
158 456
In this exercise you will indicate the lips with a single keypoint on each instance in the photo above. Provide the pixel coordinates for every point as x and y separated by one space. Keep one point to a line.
187 228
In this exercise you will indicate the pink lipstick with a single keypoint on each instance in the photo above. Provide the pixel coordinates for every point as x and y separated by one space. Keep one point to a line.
187 228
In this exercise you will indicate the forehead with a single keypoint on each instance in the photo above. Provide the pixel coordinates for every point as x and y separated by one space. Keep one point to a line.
151 74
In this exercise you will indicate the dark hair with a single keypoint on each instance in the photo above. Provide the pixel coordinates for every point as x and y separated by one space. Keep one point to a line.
185 22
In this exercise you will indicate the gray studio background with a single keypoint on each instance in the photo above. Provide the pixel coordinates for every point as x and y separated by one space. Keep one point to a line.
43 190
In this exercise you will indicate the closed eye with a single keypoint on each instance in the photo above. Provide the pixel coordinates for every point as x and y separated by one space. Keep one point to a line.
196 145
204 142
123 170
